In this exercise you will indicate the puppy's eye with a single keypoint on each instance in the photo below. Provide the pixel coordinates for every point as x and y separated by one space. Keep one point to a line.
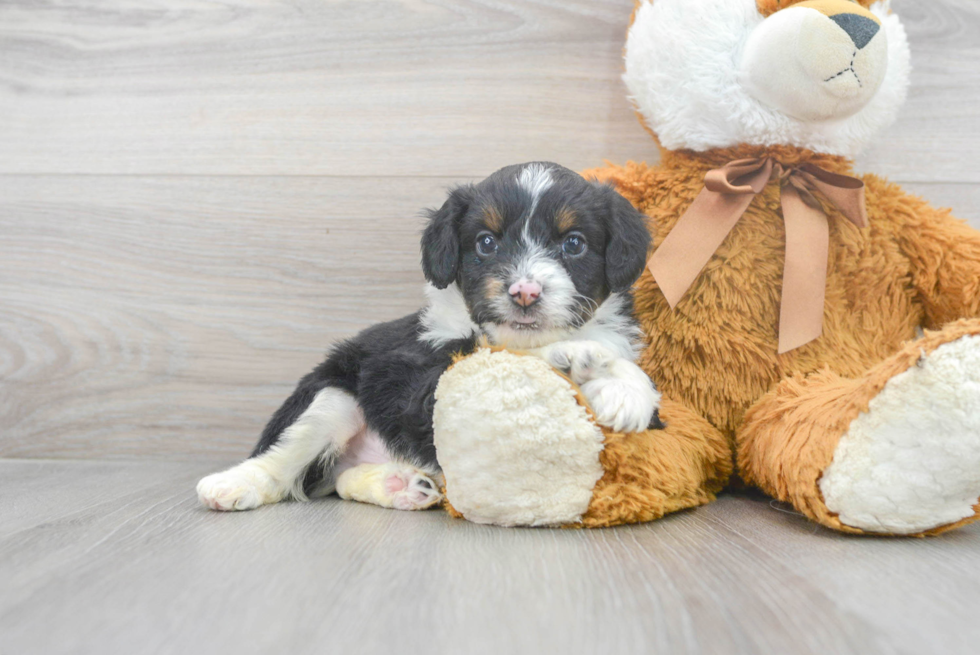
574 245
486 244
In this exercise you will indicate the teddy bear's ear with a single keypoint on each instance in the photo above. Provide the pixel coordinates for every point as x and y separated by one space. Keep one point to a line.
627 243
440 241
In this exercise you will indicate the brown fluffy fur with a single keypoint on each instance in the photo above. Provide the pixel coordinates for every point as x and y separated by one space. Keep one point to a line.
717 350
650 474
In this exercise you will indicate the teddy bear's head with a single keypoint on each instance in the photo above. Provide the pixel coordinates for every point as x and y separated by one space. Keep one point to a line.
825 75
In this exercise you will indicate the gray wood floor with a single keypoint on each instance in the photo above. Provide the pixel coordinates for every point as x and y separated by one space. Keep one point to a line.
196 198
112 557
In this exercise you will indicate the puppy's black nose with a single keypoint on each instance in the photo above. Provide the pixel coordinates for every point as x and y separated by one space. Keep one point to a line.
525 293
860 28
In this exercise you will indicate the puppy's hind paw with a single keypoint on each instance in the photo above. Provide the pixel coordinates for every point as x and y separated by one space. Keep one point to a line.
239 488
394 485
411 490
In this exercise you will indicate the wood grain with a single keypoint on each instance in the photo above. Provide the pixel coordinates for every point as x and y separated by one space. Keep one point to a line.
401 87
937 134
170 316
131 564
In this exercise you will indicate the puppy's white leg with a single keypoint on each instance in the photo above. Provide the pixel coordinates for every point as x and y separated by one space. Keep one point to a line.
624 398
331 420
393 485
620 393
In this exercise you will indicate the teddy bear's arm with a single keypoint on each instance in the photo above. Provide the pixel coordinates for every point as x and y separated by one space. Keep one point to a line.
944 253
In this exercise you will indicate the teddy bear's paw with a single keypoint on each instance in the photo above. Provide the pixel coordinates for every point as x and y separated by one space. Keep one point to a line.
911 463
242 487
624 399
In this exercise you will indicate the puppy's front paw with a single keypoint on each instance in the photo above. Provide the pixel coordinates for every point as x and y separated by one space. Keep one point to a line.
239 488
625 400
581 360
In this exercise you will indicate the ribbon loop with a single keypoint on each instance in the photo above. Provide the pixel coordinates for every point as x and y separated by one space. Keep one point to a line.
728 191
742 177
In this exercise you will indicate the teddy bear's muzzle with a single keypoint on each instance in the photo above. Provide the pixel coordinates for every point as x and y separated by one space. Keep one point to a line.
817 60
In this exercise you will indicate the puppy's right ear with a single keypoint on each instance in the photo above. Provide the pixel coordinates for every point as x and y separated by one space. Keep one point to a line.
440 241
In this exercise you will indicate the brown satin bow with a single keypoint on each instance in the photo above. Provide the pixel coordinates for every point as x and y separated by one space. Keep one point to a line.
727 193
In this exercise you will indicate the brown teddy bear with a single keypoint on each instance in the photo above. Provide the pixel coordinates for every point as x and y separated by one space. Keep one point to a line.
786 298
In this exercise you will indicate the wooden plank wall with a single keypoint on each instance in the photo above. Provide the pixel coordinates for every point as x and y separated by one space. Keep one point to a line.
197 198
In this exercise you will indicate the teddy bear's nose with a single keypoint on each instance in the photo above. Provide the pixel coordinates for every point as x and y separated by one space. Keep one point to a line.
859 28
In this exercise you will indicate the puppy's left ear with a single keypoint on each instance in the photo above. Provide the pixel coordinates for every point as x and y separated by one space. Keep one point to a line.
440 241
627 243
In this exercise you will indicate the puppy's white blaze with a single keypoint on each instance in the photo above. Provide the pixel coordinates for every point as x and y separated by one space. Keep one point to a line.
331 420
535 179
557 301
446 318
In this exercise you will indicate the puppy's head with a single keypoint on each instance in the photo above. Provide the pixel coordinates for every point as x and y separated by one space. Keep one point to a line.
535 249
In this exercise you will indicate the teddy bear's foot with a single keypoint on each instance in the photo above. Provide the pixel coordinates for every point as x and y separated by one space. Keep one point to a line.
911 463
392 485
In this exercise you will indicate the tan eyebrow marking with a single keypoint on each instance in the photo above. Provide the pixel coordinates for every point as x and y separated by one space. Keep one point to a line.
493 219
565 219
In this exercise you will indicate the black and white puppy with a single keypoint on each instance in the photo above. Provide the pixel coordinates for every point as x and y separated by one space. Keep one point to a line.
534 258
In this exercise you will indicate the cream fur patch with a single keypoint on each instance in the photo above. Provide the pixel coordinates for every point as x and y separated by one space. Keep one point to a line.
912 461
514 444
